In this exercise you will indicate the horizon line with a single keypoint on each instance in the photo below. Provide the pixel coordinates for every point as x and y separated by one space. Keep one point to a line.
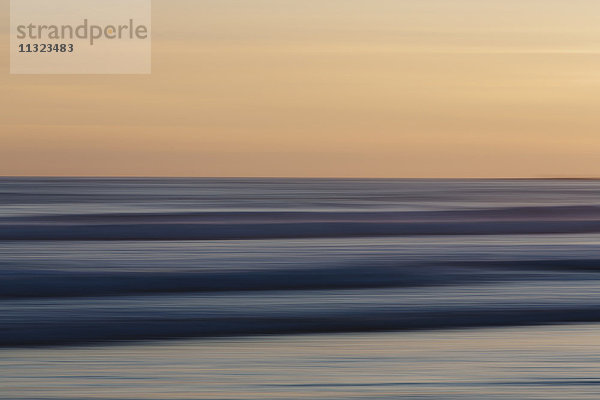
287 177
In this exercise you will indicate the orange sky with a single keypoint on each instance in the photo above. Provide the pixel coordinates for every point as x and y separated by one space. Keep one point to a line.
342 88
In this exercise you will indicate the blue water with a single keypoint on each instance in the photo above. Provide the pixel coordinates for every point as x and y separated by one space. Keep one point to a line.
118 276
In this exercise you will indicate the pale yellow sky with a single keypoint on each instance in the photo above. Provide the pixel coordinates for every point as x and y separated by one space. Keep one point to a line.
344 88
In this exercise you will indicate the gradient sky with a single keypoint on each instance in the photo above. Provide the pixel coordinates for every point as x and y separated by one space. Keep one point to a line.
326 88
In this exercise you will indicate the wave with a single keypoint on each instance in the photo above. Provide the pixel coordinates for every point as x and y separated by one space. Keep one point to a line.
64 321
85 330
565 265
36 284
275 225
20 282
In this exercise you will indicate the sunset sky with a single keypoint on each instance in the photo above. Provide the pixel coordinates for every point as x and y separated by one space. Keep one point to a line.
325 88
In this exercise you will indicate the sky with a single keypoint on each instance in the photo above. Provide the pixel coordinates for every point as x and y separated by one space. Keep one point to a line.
325 88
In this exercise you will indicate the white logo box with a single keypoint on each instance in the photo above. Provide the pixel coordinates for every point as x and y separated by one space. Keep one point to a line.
81 37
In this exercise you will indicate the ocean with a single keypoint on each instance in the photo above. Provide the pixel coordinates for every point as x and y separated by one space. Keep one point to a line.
173 288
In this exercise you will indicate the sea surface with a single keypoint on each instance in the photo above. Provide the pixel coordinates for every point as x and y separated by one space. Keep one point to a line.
299 289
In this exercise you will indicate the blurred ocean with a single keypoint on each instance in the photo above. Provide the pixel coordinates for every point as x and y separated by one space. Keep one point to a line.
299 288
